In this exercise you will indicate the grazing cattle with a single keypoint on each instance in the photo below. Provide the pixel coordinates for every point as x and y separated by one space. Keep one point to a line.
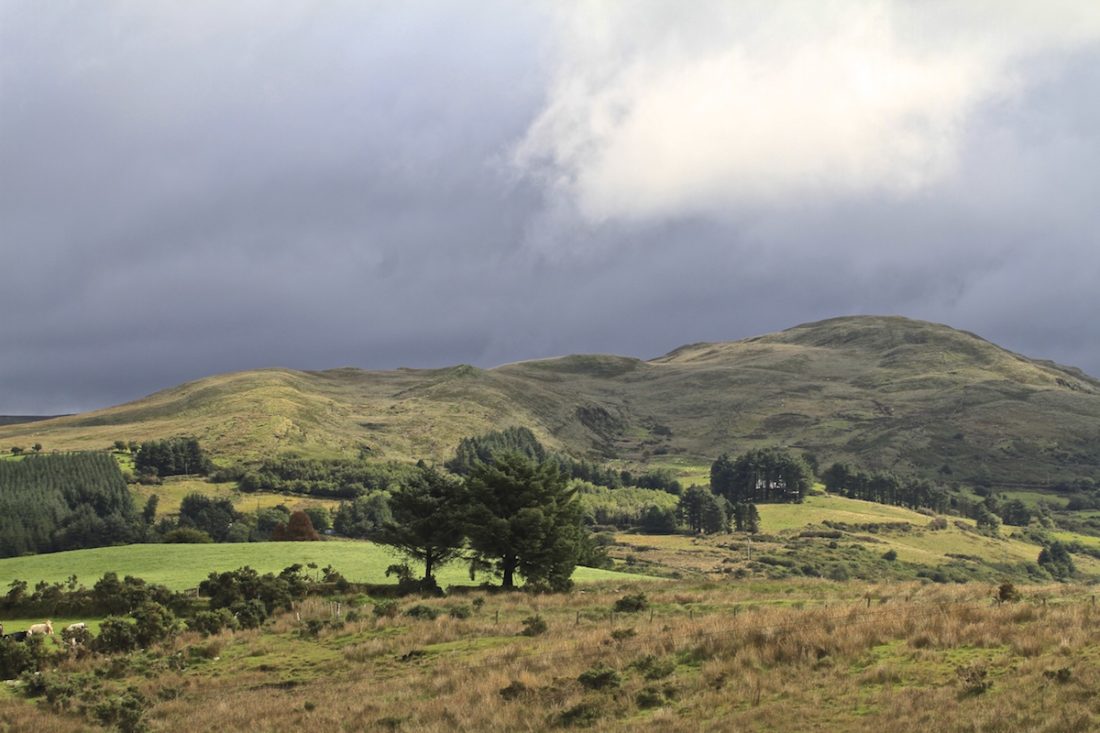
18 636
76 627
45 629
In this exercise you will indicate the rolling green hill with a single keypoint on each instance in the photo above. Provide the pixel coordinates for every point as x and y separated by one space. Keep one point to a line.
883 392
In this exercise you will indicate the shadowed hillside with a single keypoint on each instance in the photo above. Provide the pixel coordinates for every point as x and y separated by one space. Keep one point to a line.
884 392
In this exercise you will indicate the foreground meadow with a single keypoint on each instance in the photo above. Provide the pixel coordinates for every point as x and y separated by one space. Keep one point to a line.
675 656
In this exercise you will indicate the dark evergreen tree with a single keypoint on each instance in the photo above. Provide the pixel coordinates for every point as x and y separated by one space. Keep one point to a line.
428 520
523 519
658 520
1016 513
364 516
482 448
149 512
1056 560
764 475
172 457
702 511
213 516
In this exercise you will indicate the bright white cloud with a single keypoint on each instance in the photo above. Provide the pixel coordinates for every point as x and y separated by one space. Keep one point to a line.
666 109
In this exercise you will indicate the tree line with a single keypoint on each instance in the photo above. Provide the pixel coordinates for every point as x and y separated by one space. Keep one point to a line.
511 514
479 448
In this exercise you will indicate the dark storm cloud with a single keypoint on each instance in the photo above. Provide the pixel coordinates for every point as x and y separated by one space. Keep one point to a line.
200 187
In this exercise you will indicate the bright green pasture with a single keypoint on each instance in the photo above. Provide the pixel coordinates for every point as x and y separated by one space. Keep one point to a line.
921 546
818 508
184 566
173 490
1032 498
59 623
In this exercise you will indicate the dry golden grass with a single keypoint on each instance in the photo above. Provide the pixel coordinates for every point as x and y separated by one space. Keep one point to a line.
716 657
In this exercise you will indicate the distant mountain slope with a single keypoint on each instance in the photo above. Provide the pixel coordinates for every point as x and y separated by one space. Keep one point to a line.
885 392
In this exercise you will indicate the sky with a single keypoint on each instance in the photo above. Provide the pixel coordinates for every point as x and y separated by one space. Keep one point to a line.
189 188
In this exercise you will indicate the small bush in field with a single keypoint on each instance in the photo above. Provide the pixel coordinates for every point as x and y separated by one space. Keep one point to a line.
600 678
655 668
973 679
385 609
632 603
460 612
1061 675
649 697
208 623
514 690
534 626
582 714
123 711
1007 593
116 635
422 612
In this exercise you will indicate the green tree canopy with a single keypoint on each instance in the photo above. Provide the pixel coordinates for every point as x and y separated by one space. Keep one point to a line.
523 518
702 511
763 475
428 519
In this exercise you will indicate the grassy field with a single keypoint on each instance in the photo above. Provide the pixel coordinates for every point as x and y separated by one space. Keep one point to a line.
184 566
173 490
714 650
700 657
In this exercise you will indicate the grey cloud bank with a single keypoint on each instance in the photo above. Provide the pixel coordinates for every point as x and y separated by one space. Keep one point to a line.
193 188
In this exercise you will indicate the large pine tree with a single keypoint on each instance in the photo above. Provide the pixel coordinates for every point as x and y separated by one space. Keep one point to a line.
523 519
429 513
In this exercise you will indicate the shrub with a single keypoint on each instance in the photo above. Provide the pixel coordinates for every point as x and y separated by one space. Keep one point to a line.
116 636
600 678
582 714
838 572
973 679
890 555
655 668
249 614
460 612
187 536
153 623
124 711
1007 593
421 611
514 690
649 697
17 657
632 603
213 622
385 608
534 626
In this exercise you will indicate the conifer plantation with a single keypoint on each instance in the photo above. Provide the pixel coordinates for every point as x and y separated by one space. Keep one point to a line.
64 501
